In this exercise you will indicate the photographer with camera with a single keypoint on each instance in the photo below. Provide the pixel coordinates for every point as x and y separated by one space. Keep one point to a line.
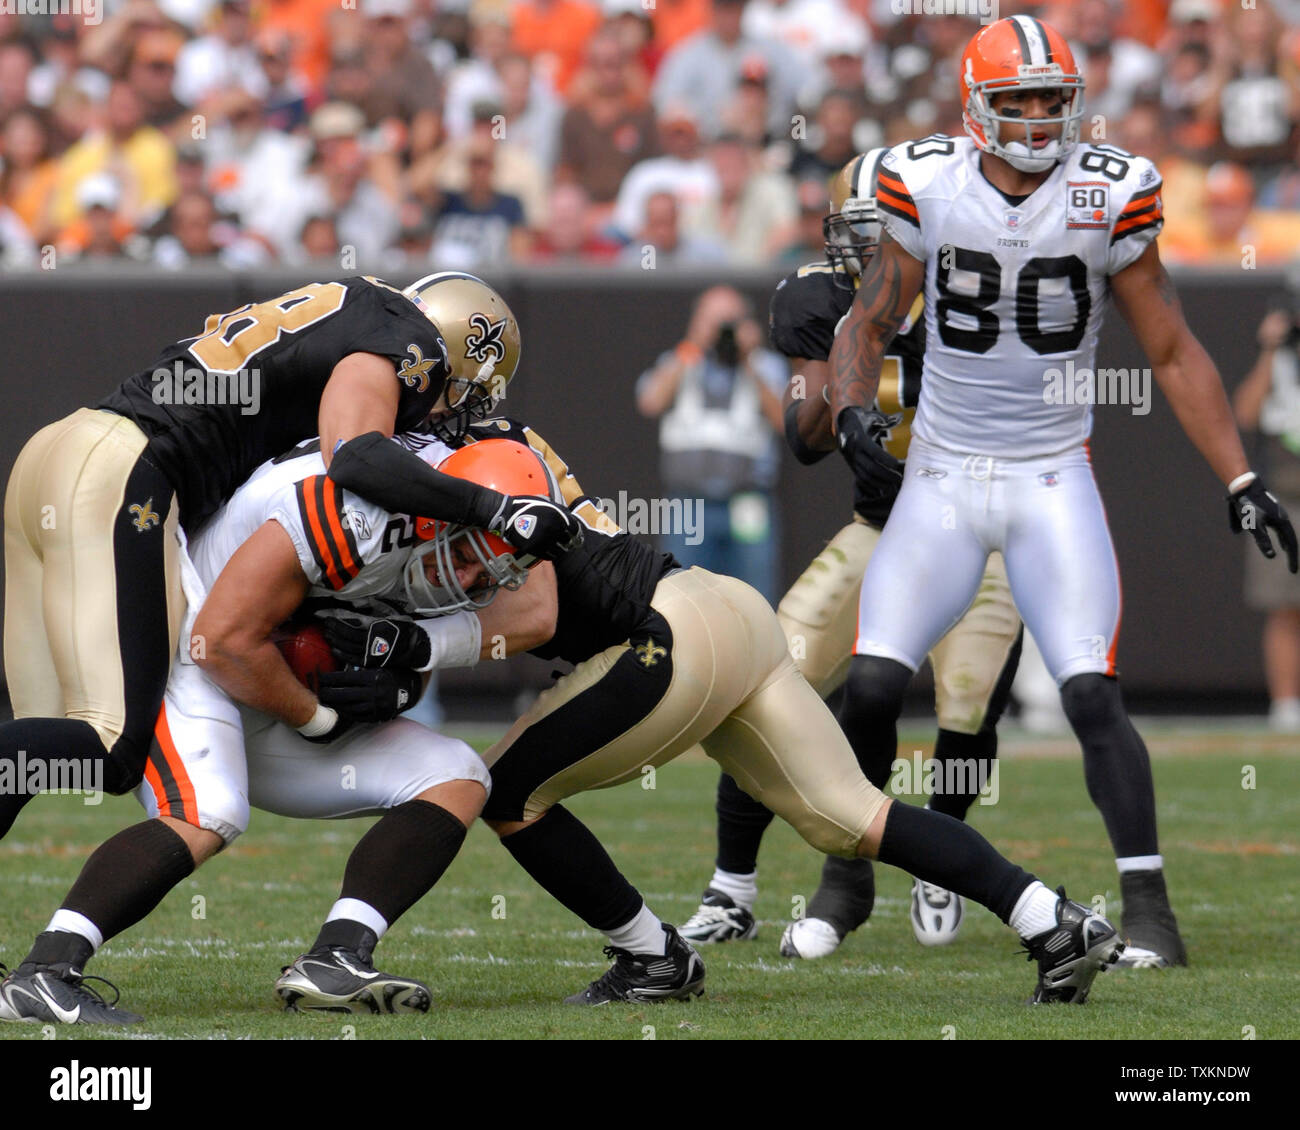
717 396
1268 401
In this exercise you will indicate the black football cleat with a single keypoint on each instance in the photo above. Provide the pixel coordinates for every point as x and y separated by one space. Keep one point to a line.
1072 953
677 975
58 994
334 979
1148 922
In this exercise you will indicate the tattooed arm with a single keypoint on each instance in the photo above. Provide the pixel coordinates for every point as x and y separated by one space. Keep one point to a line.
1183 370
890 283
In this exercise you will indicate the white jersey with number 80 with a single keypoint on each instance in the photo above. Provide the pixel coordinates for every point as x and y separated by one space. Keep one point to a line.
1013 291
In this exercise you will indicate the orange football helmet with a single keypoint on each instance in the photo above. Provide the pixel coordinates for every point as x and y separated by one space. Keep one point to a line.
502 465
1020 53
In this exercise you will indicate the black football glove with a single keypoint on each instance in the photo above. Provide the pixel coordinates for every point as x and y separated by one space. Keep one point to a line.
536 526
1254 509
378 695
374 641
877 473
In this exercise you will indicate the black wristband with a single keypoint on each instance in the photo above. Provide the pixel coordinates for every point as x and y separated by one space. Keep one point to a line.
385 473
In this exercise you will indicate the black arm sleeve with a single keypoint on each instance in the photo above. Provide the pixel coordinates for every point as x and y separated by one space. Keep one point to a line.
388 475
805 454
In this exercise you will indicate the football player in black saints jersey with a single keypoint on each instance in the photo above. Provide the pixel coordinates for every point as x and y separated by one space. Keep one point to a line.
97 503
665 658
973 665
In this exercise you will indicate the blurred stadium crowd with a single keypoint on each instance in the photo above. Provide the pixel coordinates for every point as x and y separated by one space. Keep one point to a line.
399 134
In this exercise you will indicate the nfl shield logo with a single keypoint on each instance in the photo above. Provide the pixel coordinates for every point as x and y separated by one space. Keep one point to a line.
524 524
1012 220
1049 479
379 647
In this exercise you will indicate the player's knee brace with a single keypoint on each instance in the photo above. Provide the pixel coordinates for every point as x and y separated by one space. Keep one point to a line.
873 698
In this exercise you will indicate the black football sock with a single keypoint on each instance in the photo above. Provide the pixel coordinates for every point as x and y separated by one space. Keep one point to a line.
741 824
940 850
1116 765
965 764
868 715
128 875
845 895
398 861
569 863
28 745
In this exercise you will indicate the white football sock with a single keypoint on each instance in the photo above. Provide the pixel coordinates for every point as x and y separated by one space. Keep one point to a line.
354 910
741 889
70 922
643 933
1035 911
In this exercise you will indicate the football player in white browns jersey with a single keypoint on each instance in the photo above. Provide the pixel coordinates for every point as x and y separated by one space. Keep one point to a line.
225 738
1017 235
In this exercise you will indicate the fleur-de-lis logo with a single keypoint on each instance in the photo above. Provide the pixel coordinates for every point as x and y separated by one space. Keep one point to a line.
415 370
649 653
485 344
144 515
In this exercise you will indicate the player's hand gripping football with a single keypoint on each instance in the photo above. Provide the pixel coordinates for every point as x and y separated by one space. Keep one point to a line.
360 695
537 526
878 474
376 641
1254 509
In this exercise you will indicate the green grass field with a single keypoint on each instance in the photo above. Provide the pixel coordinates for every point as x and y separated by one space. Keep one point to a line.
500 954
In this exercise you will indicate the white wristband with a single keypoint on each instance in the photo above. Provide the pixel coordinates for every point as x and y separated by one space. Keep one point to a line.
454 641
1242 481
321 723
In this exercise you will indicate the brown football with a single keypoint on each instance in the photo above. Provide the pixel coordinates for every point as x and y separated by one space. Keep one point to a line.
307 652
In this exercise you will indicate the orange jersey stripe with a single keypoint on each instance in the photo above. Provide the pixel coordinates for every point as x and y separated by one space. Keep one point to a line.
333 516
886 195
316 531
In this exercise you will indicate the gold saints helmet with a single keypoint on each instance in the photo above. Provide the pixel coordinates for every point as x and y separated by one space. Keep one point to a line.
483 346
852 229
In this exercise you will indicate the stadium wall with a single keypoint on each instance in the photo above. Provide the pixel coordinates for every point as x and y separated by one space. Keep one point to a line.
70 336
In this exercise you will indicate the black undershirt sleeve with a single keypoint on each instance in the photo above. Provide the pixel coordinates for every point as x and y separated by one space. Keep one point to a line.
388 475
805 454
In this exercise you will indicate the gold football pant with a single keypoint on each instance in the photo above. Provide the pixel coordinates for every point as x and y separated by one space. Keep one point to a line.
93 599
820 615
710 666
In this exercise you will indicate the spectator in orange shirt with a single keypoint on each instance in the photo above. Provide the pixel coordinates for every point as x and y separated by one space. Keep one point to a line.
27 175
99 232
675 20
1234 231
558 29
307 24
